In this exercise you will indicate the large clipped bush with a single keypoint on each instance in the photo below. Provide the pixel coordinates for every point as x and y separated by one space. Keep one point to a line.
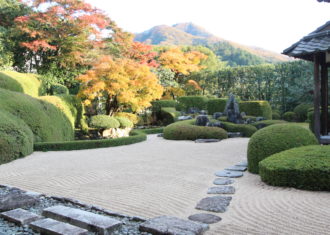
216 105
159 104
310 118
168 115
186 130
290 116
276 115
58 89
26 83
16 138
104 122
246 129
131 116
265 123
124 122
259 108
193 102
47 122
305 167
301 111
274 139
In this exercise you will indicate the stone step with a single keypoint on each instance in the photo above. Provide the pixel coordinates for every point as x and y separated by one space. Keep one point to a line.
53 227
20 216
93 222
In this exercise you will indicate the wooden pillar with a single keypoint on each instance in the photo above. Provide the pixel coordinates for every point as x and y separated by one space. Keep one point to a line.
317 96
324 97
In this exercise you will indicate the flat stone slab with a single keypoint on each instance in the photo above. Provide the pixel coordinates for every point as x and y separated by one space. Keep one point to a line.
20 216
242 163
236 168
234 134
230 174
54 227
93 222
205 218
168 225
160 135
206 140
223 181
221 190
214 204
16 199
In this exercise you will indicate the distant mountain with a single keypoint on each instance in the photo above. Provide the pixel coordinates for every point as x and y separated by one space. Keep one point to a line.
191 34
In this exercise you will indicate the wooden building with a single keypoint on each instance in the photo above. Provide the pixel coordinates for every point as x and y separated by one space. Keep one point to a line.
315 47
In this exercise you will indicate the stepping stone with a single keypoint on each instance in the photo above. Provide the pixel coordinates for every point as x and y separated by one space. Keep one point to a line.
236 168
160 135
16 199
234 134
223 181
168 225
54 227
230 174
242 163
205 218
20 216
214 204
84 219
221 190
206 140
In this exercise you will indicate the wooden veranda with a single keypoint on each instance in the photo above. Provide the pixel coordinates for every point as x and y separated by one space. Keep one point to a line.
315 47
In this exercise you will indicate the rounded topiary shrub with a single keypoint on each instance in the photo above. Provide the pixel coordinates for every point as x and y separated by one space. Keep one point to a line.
301 111
187 131
264 123
131 116
305 167
274 139
104 122
246 129
124 122
58 89
276 115
16 138
290 116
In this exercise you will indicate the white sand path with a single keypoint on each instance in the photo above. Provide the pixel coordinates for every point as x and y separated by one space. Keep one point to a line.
161 177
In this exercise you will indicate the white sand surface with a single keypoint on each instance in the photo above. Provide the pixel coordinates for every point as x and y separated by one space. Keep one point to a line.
162 177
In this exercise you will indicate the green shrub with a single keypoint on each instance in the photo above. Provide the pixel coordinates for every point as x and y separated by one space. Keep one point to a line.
58 89
135 137
290 116
152 130
305 167
258 108
104 122
193 102
253 118
274 139
16 138
216 105
301 111
276 115
310 118
26 83
131 116
223 119
247 129
265 123
159 104
124 122
168 115
47 122
185 130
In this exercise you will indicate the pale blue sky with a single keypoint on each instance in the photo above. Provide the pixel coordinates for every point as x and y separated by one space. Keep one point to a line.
270 24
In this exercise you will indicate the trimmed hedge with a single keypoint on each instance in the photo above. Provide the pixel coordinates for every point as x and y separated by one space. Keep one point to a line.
186 130
59 89
104 122
152 130
258 108
135 137
16 138
169 115
305 167
247 129
310 118
26 83
47 122
159 104
290 116
131 116
216 105
124 122
274 139
265 123
276 115
193 102
301 111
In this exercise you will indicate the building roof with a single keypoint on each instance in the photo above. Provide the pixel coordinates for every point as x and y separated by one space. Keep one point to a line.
323 0
316 41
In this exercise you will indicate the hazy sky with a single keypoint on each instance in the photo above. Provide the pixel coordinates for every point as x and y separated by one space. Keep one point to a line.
270 24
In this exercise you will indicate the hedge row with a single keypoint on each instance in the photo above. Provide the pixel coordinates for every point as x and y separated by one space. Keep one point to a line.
259 108
169 115
136 136
246 129
216 105
159 104
265 123
305 167
187 102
